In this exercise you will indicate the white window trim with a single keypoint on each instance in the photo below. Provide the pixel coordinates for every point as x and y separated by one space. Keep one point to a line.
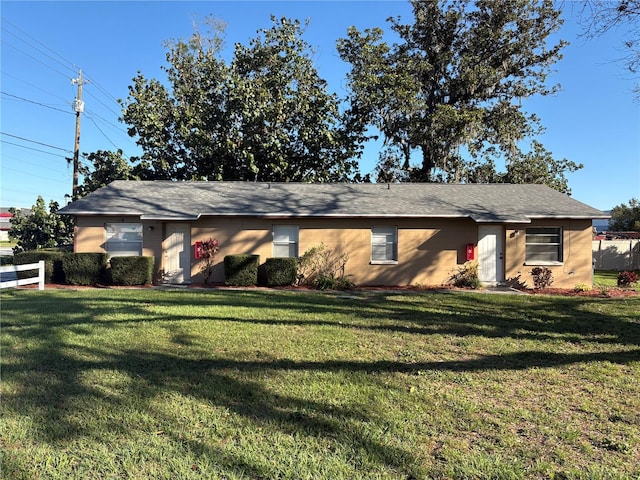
124 226
290 242
559 244
393 261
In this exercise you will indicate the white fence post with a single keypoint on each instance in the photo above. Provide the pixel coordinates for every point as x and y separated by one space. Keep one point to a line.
23 281
41 275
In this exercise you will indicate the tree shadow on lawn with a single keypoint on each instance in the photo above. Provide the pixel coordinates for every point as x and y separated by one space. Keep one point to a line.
575 319
50 385
53 392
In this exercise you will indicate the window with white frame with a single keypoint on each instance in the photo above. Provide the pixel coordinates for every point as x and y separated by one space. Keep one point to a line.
384 245
123 239
543 245
285 241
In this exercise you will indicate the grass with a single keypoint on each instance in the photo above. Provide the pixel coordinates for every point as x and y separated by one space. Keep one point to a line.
609 279
271 384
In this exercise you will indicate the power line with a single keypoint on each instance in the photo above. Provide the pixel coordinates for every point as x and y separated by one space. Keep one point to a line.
33 149
31 174
69 64
100 130
102 89
36 103
34 141
36 59
22 160
34 86
102 103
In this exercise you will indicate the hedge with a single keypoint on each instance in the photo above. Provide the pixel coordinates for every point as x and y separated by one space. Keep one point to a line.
280 272
241 270
84 268
131 270
53 268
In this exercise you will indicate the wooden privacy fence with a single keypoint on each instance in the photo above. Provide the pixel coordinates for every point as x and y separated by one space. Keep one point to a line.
23 281
616 254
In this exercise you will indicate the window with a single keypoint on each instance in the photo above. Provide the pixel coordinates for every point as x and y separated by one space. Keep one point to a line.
543 245
123 239
285 241
384 245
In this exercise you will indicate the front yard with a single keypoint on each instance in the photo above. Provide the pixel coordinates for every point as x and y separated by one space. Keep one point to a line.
265 384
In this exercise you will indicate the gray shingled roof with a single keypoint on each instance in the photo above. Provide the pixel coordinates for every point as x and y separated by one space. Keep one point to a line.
191 200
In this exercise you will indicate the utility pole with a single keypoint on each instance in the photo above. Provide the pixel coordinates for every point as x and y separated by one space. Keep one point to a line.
78 107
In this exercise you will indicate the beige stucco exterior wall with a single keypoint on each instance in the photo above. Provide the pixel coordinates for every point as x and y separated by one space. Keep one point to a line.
576 267
429 250
90 236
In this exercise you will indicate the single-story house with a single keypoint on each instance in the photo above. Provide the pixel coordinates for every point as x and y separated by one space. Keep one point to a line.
394 234
5 223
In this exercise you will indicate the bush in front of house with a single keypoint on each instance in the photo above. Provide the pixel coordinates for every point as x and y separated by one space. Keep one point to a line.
466 276
625 279
53 268
280 272
542 277
131 270
241 270
84 268
323 267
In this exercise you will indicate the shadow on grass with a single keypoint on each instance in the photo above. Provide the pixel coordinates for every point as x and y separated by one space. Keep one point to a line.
576 319
48 380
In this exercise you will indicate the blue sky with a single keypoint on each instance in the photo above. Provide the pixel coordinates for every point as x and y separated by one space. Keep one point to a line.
594 120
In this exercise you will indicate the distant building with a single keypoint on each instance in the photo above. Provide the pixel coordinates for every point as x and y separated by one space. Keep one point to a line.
5 224
601 225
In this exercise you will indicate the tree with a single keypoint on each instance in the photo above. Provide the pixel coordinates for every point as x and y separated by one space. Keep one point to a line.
106 167
600 16
625 218
265 116
539 166
41 228
451 89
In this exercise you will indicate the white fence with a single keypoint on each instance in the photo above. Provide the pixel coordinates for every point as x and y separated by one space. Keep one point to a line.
616 254
23 281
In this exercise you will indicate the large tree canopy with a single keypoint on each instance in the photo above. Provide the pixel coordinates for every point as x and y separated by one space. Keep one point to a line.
451 89
264 116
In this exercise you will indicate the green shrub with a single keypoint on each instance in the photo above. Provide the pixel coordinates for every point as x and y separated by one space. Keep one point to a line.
84 268
542 277
280 272
241 270
466 276
131 270
6 260
581 287
330 282
53 269
323 268
625 279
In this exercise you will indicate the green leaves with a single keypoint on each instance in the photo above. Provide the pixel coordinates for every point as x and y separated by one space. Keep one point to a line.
625 217
451 88
42 228
266 115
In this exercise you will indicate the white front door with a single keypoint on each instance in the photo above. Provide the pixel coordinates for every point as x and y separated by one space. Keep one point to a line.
177 253
491 254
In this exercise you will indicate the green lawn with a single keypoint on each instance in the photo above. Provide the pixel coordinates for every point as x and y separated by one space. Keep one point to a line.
258 384
609 278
